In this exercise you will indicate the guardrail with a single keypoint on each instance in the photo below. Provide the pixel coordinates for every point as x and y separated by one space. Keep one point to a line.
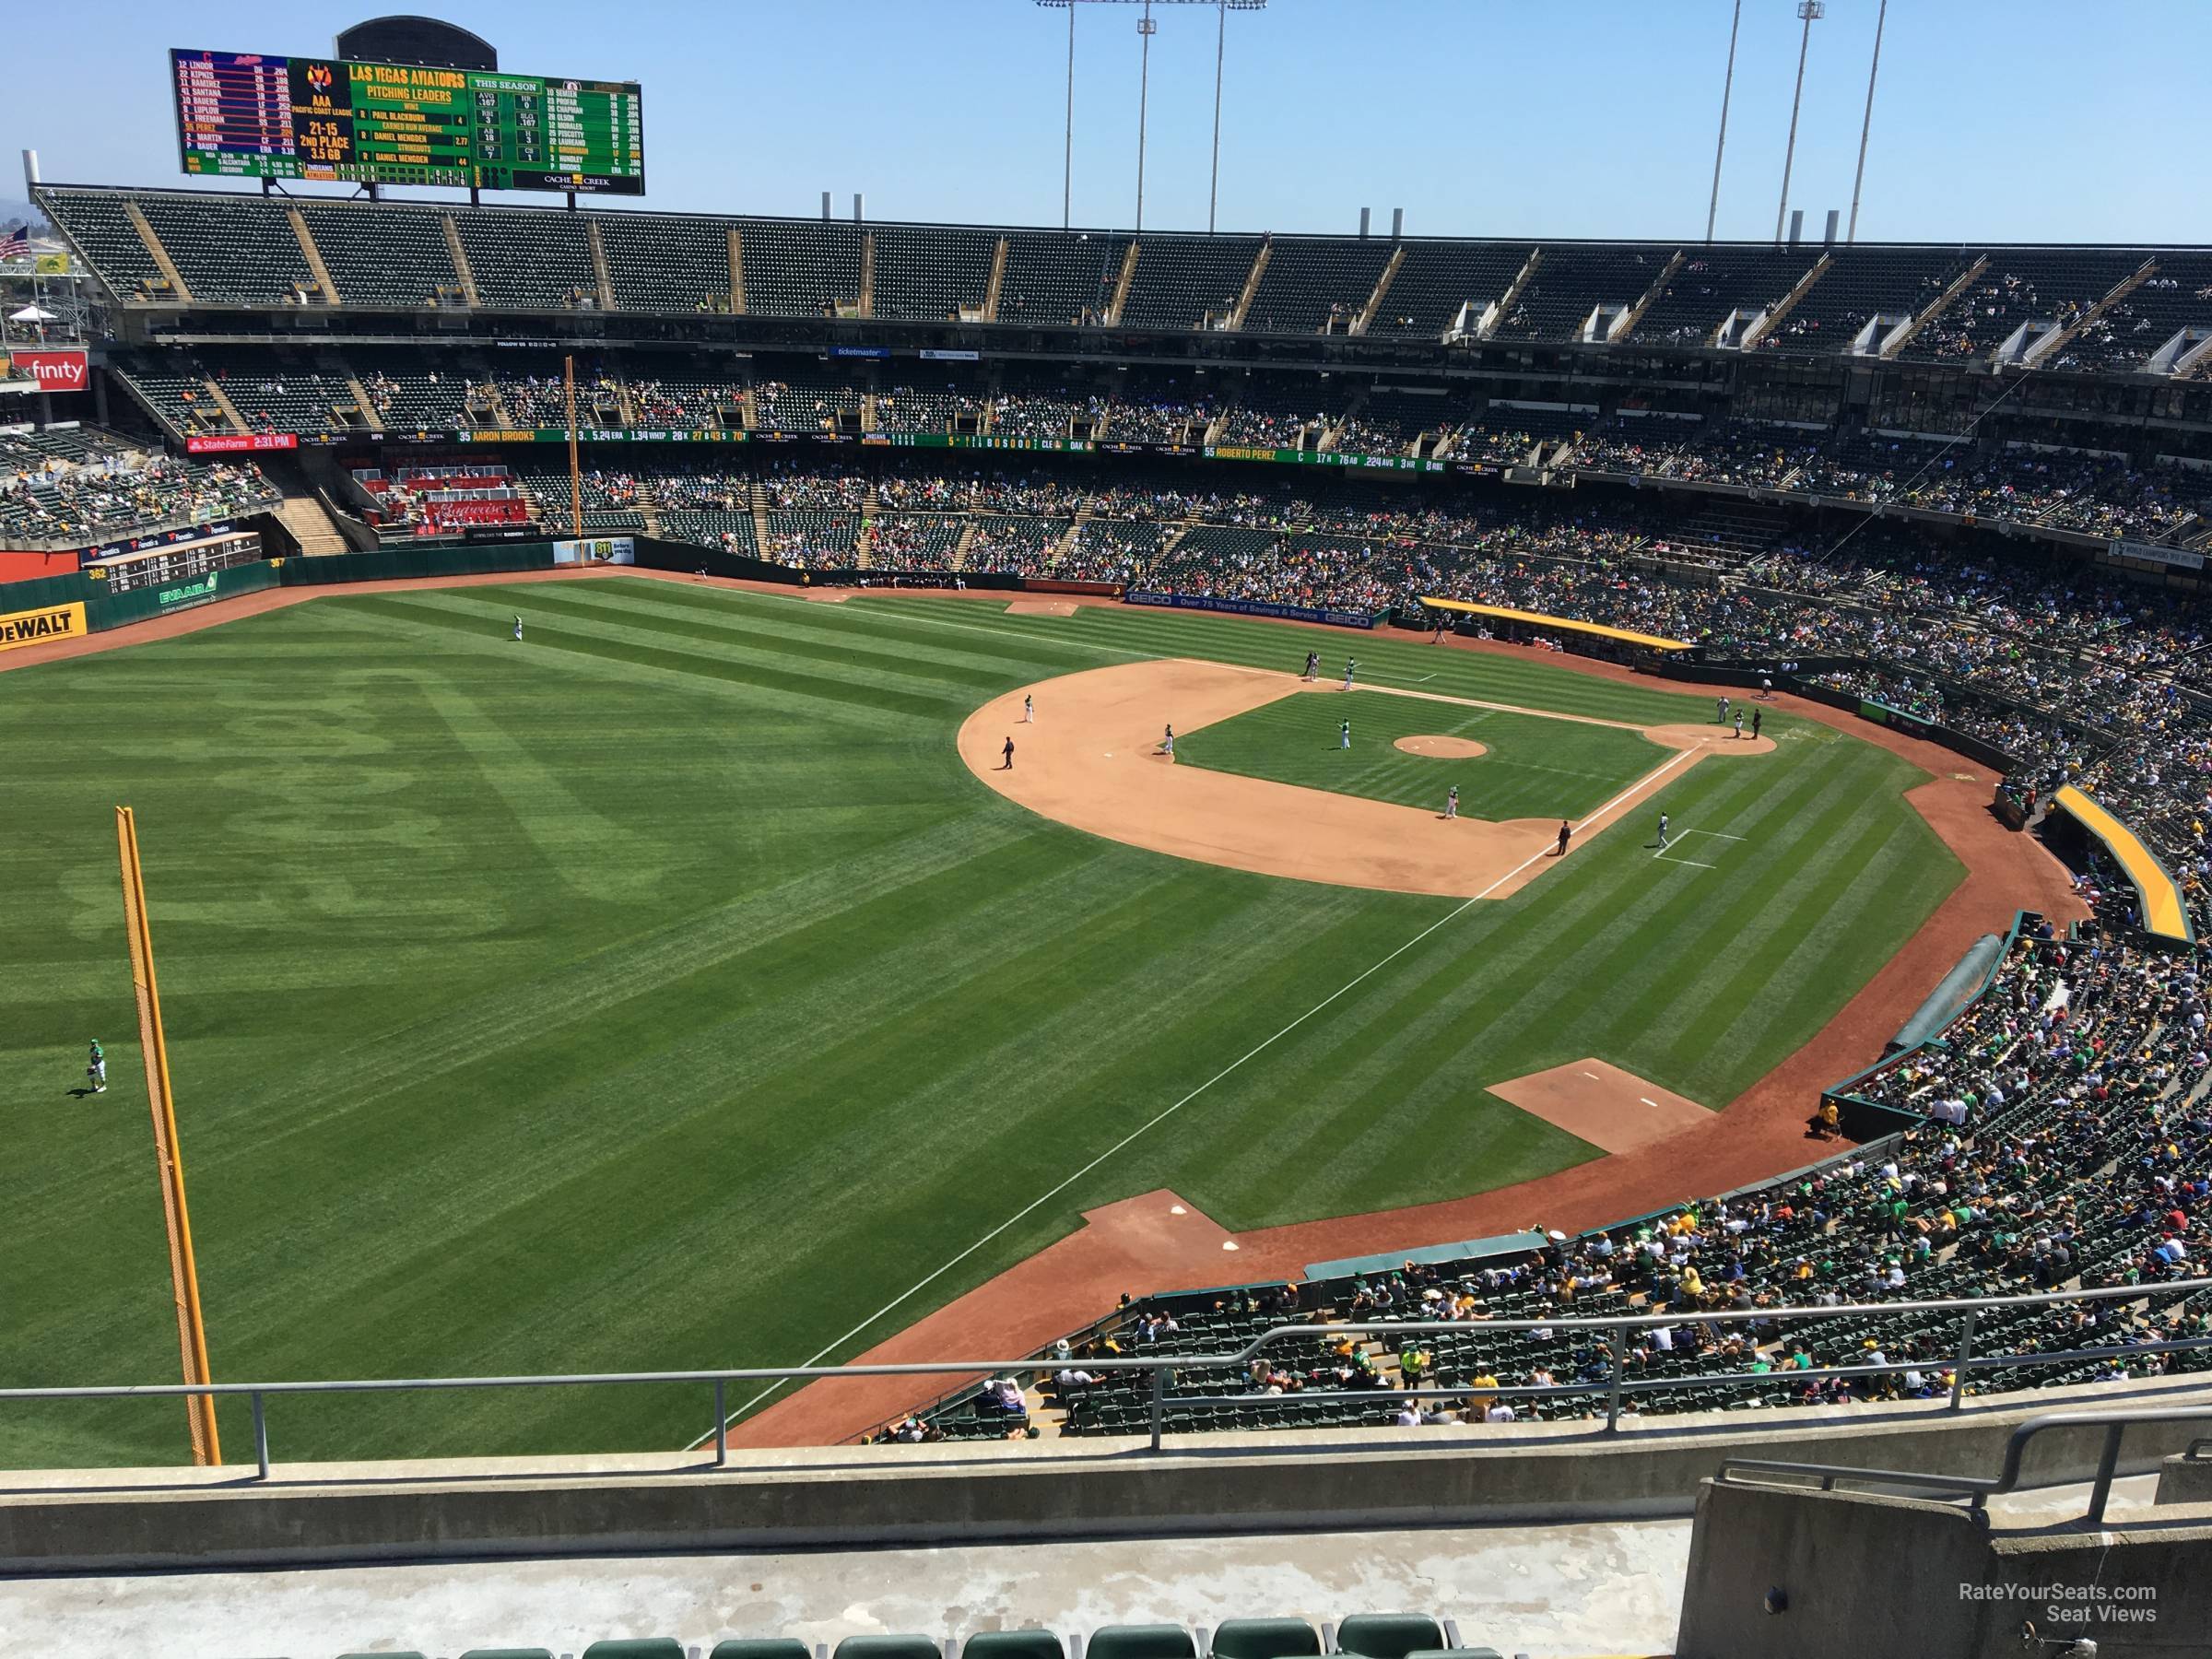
1617 1388
1978 1490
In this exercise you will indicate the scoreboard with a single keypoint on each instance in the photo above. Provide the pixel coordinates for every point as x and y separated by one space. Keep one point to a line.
242 116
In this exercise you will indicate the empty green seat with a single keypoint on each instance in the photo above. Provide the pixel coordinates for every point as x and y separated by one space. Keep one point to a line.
1142 1642
1012 1644
1266 1639
1388 1635
643 1647
1455 1653
888 1647
506 1654
761 1647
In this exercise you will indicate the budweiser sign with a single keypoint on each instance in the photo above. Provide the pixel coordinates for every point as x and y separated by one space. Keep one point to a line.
231 443
55 371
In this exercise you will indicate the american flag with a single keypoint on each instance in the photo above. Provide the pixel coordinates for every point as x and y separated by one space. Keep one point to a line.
15 244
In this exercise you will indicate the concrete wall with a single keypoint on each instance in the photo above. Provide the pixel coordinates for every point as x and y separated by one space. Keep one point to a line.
2186 1480
135 1521
1868 1577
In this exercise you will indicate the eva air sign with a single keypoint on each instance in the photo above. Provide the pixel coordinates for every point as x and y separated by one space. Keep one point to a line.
196 593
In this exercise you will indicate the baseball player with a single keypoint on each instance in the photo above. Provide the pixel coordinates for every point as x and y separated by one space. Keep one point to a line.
1344 736
1452 802
1663 832
96 1068
1720 710
518 626
1350 667
1166 744
1766 685
1029 710
1740 723
1312 664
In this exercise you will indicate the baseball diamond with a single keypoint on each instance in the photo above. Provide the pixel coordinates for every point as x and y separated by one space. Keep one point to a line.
470 947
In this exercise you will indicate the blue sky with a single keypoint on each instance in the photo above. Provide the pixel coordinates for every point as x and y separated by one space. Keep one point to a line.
2028 120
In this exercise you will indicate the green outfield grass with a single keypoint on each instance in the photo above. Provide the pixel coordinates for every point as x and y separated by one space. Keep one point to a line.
662 992
1535 766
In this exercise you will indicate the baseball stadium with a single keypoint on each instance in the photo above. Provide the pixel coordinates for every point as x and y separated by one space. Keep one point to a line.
1163 940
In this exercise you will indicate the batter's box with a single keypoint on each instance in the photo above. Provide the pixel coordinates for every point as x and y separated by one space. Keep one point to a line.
1671 853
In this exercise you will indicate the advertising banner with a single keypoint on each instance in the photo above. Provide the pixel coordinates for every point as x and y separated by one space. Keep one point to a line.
605 549
2173 559
37 626
55 369
1255 608
233 443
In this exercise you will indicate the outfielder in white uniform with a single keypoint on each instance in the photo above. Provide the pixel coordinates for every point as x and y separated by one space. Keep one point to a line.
1344 736
1029 710
518 628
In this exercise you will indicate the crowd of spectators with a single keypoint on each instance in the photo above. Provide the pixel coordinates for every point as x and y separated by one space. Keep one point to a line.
105 491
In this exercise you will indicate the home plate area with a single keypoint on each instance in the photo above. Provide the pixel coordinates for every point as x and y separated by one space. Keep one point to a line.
1613 1110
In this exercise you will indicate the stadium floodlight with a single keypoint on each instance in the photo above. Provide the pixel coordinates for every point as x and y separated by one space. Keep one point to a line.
1719 143
1812 11
1147 27
1866 126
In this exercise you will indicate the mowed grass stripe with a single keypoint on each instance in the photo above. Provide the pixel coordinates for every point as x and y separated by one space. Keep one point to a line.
609 645
763 640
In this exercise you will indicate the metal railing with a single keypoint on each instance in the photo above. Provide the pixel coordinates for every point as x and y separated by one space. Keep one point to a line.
1619 1387
1978 1490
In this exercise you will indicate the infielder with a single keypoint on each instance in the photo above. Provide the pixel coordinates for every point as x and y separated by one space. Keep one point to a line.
1663 832
1740 723
96 1069
1351 667
1452 802
1166 744
1029 710
1344 736
1312 664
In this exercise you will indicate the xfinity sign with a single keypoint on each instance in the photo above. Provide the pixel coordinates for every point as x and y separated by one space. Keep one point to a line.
53 371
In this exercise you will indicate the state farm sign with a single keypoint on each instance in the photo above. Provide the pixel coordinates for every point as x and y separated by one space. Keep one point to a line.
231 443
55 371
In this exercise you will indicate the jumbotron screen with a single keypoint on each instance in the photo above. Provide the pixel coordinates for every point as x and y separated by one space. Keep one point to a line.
245 115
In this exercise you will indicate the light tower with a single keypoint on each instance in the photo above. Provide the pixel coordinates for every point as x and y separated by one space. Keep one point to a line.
1812 11
1719 143
1866 127
1147 27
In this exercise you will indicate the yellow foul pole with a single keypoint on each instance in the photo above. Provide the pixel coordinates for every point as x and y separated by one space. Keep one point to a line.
184 1280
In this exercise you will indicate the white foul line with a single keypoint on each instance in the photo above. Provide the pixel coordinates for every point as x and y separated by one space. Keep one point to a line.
1160 1117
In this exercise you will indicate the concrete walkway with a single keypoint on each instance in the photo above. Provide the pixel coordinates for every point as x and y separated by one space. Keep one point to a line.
1559 1592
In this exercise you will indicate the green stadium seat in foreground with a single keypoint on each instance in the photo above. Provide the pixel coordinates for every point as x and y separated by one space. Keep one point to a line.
1388 1635
1142 1642
888 1647
761 1647
1013 1645
1455 1653
644 1647
1266 1639
507 1653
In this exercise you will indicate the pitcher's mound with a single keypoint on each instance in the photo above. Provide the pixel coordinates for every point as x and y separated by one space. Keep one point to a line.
1443 748
1613 1110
